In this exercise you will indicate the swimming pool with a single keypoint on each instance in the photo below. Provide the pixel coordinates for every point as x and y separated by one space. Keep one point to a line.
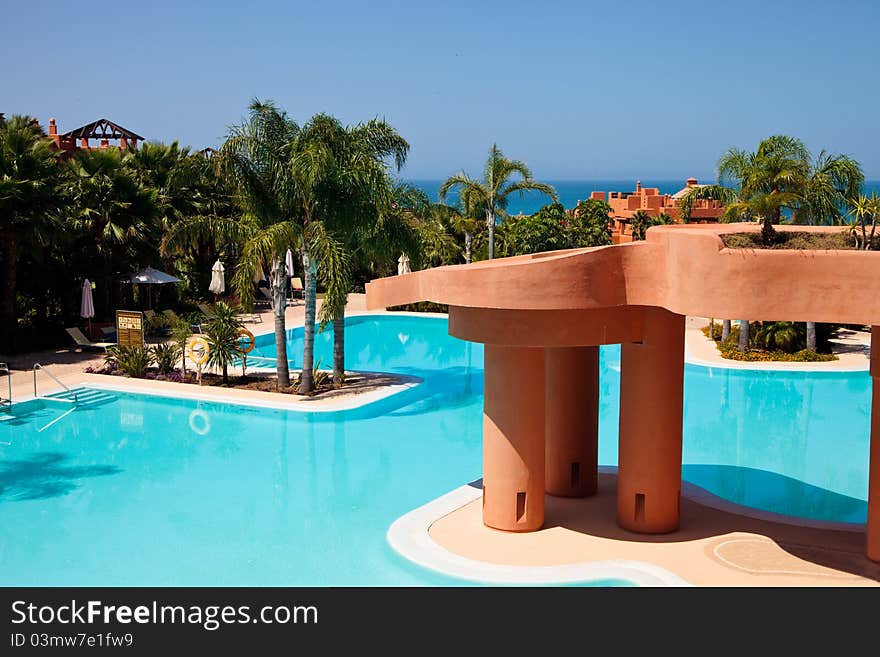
139 489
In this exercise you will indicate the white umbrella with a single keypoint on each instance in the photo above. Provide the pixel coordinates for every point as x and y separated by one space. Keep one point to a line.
218 282
150 276
87 306
403 264
288 262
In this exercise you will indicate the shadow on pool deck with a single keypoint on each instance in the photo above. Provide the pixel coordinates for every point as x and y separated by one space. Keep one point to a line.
713 546
43 476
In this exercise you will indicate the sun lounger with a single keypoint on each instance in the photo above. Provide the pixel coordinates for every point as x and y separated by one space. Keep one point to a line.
266 296
296 289
82 341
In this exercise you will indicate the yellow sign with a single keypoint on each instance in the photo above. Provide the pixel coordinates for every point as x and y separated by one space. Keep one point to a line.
129 328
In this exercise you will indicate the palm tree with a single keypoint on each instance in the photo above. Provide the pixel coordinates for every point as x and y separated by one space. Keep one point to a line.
492 193
283 177
348 200
28 201
256 162
770 180
832 180
116 215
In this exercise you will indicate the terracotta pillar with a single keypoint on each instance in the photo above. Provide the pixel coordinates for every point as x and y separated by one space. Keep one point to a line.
873 529
572 421
651 395
513 438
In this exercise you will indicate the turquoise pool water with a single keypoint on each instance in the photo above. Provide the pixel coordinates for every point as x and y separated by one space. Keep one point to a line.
137 489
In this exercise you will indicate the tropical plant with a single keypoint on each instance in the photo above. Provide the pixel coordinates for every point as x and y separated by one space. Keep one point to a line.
437 240
641 221
222 329
166 355
256 162
864 210
543 231
688 201
832 180
29 203
115 215
770 180
782 336
354 209
133 361
493 192
590 224
180 334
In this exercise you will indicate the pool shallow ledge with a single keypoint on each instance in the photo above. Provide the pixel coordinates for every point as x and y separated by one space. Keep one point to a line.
410 537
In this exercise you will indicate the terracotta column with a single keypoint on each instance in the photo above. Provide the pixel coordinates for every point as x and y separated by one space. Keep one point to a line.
572 421
651 395
873 529
513 438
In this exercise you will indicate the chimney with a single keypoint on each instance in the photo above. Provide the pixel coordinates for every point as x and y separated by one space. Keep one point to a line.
53 129
638 186
690 182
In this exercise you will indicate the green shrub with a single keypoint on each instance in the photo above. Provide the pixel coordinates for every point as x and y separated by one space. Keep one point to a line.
422 307
166 356
730 351
131 361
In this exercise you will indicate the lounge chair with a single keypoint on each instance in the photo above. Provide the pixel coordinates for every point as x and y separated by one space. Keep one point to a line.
267 296
82 341
296 289
253 318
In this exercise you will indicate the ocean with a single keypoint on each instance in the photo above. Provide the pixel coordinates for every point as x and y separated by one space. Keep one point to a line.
572 191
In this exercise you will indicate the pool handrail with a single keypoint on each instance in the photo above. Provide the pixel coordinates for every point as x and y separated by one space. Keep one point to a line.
38 366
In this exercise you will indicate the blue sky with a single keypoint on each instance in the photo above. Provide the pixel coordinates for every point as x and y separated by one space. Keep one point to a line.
577 89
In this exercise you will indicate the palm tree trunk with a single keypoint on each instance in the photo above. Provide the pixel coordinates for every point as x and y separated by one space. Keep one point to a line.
725 330
811 336
490 222
339 348
307 378
279 280
767 231
7 305
743 335
468 243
